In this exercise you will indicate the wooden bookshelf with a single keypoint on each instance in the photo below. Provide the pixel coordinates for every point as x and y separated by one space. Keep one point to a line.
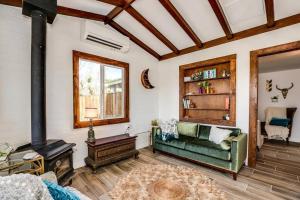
210 108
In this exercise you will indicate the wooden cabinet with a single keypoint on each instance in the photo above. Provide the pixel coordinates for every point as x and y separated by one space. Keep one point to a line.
210 106
111 149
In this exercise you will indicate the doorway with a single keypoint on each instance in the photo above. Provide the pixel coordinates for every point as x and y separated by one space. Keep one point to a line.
253 112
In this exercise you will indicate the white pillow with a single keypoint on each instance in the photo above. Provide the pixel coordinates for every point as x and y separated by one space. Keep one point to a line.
217 135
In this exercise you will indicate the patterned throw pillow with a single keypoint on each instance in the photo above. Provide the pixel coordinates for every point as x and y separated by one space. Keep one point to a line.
58 192
168 130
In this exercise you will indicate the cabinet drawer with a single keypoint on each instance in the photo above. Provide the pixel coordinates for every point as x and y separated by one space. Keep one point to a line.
109 152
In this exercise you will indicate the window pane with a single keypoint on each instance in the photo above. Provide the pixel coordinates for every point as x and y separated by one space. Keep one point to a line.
89 89
113 92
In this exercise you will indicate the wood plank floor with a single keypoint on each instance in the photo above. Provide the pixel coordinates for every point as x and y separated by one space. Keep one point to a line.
276 176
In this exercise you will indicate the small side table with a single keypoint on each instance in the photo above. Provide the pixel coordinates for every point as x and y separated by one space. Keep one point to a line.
16 164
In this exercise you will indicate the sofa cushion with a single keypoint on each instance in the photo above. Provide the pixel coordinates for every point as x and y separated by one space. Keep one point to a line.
235 131
209 149
173 143
217 135
186 138
188 129
204 132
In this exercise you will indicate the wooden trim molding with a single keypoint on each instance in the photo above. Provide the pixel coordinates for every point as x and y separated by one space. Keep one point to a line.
269 4
76 109
217 8
180 20
254 55
136 15
281 23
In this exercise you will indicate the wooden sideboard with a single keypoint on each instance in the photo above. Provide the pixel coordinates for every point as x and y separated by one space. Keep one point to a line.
111 149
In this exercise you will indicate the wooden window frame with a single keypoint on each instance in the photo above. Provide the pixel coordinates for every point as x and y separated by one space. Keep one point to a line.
76 104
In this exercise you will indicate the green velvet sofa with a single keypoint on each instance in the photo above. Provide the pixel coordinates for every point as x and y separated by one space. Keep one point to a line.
193 145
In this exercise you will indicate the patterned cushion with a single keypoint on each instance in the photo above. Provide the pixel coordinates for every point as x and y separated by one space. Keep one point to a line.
58 192
188 129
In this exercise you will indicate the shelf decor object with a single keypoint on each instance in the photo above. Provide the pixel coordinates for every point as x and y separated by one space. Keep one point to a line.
213 93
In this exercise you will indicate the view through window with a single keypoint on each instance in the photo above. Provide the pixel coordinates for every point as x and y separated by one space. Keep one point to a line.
101 88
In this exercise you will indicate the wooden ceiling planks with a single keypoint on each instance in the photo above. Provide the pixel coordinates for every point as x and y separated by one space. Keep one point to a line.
216 6
181 21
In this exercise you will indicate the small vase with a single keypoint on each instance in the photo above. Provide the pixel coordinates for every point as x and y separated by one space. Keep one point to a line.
200 90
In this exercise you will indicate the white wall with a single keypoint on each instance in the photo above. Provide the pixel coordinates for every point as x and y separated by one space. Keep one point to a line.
168 71
283 79
62 37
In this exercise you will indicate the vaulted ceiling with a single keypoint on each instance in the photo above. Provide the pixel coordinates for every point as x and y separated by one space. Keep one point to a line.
169 28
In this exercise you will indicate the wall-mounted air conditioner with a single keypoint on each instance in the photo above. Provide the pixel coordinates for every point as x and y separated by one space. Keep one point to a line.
98 34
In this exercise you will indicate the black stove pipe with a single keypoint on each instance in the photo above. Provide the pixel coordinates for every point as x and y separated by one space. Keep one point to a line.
38 78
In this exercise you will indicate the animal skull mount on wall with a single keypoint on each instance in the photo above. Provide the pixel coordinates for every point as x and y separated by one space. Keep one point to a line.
285 91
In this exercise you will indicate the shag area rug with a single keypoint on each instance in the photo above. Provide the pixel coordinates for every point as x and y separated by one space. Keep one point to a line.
165 182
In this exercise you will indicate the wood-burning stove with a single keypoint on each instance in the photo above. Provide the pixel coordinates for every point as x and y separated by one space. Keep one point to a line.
57 153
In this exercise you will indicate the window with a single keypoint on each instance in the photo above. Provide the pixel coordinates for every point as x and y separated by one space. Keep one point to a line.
100 85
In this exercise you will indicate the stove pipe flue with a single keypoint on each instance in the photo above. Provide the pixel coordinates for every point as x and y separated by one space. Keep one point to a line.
41 12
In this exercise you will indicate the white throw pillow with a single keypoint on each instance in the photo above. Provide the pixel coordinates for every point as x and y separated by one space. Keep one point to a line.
217 135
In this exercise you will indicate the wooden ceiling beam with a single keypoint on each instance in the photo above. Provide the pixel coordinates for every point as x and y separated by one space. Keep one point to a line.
134 39
79 13
119 3
269 4
135 14
62 10
181 21
117 10
16 3
217 8
281 23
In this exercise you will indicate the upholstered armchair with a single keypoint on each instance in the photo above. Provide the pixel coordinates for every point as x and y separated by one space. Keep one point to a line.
290 112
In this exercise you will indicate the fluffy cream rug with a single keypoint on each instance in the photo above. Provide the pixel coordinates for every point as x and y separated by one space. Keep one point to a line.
165 182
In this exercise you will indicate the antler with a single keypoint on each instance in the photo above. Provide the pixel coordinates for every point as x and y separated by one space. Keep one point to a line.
291 86
278 88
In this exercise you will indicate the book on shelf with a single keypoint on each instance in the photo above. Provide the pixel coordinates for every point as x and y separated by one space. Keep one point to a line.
186 103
